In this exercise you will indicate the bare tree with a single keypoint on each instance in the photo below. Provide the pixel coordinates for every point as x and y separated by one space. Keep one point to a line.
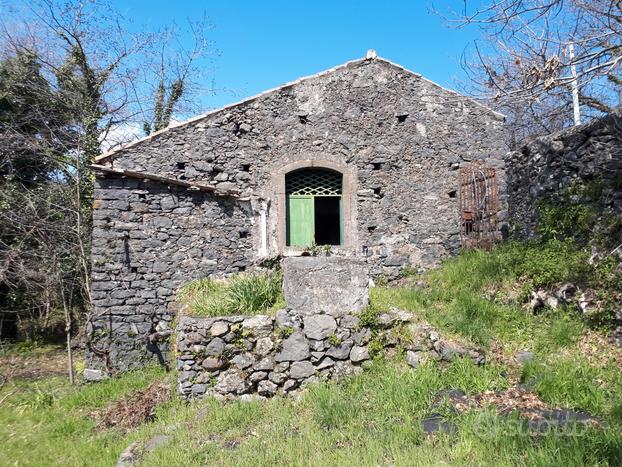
536 51
70 73
175 71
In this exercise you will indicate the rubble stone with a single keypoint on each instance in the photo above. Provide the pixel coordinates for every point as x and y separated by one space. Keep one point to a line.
400 206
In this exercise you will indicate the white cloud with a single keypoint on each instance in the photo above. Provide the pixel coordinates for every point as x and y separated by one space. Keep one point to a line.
121 135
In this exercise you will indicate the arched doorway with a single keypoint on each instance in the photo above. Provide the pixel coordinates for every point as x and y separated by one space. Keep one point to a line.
314 207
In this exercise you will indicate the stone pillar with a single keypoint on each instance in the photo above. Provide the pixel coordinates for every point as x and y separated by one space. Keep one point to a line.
331 285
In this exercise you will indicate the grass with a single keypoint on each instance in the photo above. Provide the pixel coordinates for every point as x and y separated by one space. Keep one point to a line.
27 348
370 419
573 382
248 294
47 422
480 295
373 418
477 297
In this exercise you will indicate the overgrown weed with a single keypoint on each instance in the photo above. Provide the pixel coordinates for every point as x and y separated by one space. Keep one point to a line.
248 293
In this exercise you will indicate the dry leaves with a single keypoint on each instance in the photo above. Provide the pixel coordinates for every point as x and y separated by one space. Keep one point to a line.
510 400
134 409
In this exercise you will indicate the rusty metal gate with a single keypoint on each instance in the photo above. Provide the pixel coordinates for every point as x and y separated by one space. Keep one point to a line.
479 206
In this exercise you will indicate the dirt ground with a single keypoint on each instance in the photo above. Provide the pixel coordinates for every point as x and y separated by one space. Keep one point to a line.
39 363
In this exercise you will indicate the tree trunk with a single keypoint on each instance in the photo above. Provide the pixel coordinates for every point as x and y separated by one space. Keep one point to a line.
69 353
68 334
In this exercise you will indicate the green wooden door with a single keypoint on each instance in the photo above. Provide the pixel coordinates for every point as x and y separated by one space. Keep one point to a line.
300 220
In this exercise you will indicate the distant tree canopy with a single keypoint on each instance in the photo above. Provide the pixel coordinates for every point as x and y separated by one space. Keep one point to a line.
39 208
70 73
29 117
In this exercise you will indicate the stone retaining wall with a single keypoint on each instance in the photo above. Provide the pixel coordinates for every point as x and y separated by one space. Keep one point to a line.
263 355
237 355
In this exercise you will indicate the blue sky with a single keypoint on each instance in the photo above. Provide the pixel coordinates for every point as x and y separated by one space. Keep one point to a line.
263 44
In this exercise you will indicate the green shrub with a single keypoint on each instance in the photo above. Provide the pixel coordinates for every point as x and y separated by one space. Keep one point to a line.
284 332
369 317
381 281
581 212
543 264
319 250
409 271
560 221
607 274
376 346
334 340
251 293
602 315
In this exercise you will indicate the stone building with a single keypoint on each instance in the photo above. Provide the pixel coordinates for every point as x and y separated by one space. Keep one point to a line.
367 157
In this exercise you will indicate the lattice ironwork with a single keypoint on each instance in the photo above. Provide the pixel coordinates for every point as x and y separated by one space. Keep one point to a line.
479 206
313 182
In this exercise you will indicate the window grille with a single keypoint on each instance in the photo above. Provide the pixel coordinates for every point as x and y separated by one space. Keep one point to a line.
479 206
313 182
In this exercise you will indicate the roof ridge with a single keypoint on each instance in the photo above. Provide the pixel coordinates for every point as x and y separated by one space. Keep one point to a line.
110 153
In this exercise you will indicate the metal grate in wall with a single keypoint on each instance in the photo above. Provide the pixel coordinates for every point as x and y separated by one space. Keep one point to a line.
479 206
313 182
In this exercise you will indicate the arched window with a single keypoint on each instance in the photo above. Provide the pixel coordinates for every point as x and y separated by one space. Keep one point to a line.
314 207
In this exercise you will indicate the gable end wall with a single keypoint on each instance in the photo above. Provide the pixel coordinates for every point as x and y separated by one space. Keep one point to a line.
402 173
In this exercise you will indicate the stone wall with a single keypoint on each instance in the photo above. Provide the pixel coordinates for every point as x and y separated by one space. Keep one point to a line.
237 355
232 356
148 239
324 284
398 138
548 165
325 333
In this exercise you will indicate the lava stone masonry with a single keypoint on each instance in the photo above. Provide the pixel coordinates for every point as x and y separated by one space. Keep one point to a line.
234 356
548 165
148 239
397 138
401 138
